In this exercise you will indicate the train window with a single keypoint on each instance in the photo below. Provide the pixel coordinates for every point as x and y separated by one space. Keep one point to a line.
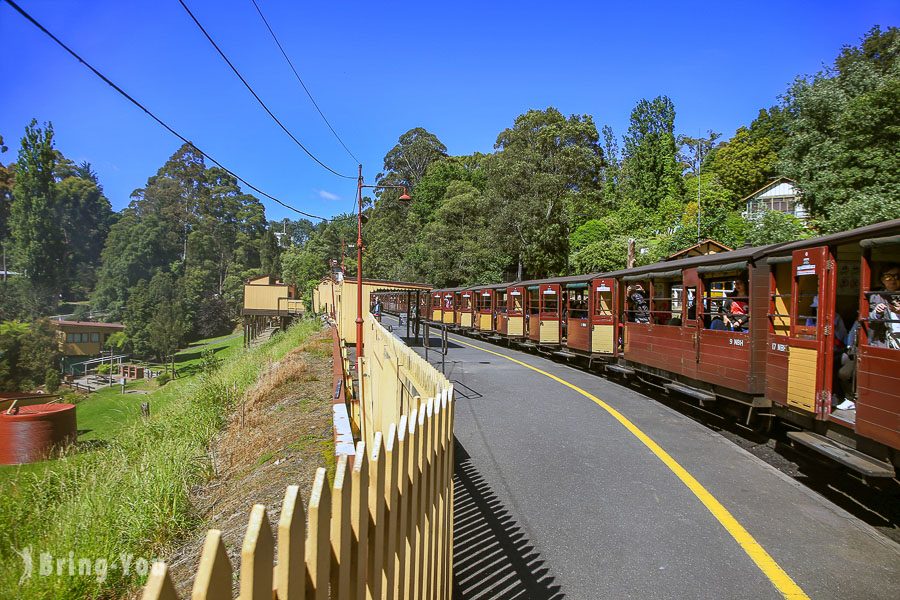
637 306
603 304
807 306
781 299
884 306
516 301
689 299
534 301
662 311
550 300
501 301
726 305
578 304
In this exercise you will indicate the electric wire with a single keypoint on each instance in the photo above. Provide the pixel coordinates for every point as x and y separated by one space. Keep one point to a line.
255 95
149 113
297 75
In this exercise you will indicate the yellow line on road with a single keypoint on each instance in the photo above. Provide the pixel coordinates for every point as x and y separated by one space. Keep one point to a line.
771 569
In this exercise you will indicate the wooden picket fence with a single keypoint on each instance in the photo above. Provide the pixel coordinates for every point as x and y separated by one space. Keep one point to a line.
393 379
383 530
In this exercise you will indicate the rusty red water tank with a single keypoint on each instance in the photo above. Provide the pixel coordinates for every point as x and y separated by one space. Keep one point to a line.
31 433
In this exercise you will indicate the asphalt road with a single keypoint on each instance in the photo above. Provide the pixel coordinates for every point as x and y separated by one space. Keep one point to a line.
556 497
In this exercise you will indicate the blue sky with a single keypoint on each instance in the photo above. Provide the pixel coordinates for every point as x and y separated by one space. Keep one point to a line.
463 70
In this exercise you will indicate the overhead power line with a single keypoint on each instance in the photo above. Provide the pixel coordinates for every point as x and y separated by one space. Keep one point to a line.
128 97
297 75
255 95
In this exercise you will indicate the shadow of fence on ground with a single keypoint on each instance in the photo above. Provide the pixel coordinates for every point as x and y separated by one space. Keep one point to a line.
492 558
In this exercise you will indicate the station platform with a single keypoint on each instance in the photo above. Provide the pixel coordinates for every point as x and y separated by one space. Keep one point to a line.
569 485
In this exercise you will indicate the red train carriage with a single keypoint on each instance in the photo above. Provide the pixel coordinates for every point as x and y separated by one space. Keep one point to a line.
544 305
591 327
694 326
484 309
833 358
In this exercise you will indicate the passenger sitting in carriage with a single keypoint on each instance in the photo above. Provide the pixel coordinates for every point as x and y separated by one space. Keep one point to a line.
884 310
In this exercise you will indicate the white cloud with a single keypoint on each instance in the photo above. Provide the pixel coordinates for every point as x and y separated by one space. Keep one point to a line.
328 195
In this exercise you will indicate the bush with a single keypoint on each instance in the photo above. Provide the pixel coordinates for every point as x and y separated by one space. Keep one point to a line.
209 362
52 380
163 379
103 369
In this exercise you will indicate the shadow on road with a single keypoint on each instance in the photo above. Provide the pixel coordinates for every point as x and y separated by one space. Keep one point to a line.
492 558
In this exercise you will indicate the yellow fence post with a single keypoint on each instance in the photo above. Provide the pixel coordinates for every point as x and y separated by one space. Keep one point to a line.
359 522
393 470
318 546
340 532
376 519
159 584
213 581
257 557
290 578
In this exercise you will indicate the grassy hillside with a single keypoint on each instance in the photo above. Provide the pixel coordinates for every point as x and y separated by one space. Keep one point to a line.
119 497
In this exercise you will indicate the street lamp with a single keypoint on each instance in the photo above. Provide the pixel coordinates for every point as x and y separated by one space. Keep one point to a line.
359 245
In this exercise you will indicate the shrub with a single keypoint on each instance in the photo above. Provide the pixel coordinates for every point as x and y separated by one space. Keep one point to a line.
52 379
209 362
163 379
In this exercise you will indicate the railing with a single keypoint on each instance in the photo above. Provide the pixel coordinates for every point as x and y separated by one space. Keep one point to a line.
384 529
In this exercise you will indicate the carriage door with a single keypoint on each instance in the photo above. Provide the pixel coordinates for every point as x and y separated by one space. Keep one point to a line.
551 306
485 310
810 355
435 307
692 314
447 312
603 326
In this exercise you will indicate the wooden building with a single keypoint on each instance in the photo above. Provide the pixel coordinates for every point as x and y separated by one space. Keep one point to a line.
84 338
780 194
704 248
268 302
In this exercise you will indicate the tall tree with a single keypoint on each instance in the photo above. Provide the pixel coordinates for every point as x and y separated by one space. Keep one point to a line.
611 172
844 147
35 213
650 166
544 179
6 196
388 233
407 162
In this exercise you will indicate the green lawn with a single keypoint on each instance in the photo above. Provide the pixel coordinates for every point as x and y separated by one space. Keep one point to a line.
124 488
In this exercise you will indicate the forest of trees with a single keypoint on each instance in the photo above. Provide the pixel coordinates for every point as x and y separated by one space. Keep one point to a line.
557 196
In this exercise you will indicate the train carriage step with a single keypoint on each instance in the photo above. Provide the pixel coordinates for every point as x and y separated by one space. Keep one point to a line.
853 459
620 369
690 392
564 354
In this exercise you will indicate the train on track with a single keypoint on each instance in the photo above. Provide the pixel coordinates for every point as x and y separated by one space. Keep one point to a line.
806 332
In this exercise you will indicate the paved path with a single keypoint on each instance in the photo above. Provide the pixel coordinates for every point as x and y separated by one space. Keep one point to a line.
557 497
